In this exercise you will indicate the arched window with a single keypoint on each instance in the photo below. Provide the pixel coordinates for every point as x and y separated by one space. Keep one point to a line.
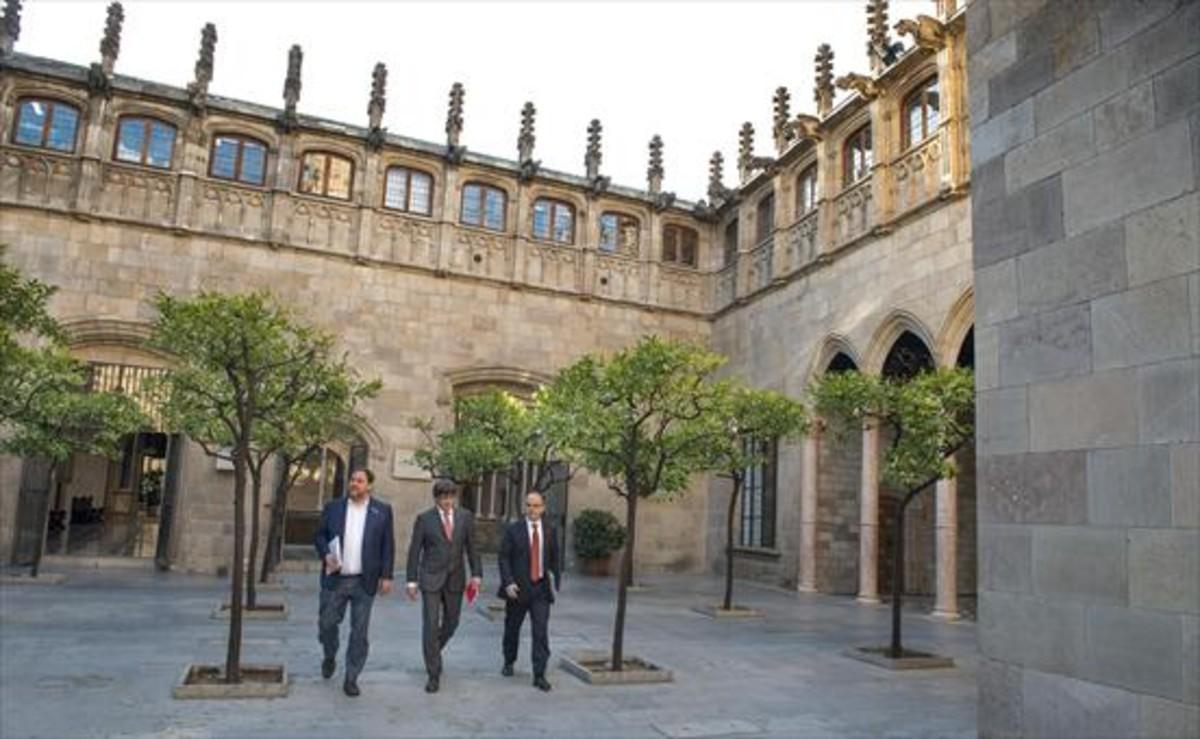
238 158
757 520
921 110
47 124
857 156
409 190
806 190
618 233
146 141
680 245
765 219
483 206
553 220
326 174
731 242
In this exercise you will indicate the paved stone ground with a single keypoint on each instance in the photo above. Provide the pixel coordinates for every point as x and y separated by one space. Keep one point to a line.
97 656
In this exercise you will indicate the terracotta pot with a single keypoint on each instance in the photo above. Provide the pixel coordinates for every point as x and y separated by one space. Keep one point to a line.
596 566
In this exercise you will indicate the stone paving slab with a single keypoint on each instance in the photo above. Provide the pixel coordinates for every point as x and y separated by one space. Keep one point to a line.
97 656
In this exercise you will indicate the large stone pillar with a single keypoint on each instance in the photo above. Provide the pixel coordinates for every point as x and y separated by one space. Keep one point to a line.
946 605
808 511
868 500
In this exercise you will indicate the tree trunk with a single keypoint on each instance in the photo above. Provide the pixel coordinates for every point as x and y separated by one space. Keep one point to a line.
233 655
618 646
44 519
727 604
897 649
252 559
275 527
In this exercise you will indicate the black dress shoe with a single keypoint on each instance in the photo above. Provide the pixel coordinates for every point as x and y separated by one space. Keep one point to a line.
351 688
327 668
431 686
540 683
508 670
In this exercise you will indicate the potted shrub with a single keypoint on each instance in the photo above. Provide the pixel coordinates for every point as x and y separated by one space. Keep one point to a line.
597 535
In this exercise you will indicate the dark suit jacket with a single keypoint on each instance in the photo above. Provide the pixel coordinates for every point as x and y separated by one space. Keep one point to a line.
379 541
436 564
514 558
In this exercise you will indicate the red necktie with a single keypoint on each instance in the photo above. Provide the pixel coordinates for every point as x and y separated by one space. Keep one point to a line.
535 556
447 526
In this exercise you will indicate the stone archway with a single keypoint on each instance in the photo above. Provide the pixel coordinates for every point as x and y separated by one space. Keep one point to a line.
838 483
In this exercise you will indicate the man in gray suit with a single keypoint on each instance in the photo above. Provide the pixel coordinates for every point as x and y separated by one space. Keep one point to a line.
440 536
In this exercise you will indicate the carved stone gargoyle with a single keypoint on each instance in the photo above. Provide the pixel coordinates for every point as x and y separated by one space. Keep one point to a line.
663 200
860 83
808 127
927 32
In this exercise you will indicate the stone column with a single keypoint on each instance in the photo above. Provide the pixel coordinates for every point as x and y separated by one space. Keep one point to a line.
946 605
808 511
868 499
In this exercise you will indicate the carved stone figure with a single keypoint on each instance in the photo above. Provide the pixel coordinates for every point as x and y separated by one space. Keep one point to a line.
862 84
927 32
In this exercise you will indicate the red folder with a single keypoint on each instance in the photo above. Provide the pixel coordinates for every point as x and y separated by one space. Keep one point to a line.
472 591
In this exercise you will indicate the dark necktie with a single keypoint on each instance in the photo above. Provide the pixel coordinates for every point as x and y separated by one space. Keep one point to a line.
535 556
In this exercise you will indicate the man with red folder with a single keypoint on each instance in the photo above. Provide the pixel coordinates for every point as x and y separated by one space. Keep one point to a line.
440 538
529 555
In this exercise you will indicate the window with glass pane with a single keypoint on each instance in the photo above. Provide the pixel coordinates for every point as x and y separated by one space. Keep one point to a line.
765 218
494 202
47 124
483 205
858 156
408 190
553 220
731 242
145 141
670 247
921 113
757 519
618 233
680 245
541 219
240 159
806 191
326 174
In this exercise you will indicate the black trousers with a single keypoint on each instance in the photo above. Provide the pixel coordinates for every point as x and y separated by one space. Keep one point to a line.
439 620
537 605
346 590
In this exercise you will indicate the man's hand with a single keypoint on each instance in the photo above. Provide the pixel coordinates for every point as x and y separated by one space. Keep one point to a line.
511 591
331 563
385 587
412 591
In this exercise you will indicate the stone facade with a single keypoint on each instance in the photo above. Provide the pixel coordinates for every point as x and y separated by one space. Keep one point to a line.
844 266
1085 122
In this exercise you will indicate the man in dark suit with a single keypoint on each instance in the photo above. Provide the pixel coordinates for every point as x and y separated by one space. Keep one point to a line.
358 548
529 552
440 537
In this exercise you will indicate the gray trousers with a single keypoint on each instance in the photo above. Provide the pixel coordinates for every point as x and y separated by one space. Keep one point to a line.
440 612
347 590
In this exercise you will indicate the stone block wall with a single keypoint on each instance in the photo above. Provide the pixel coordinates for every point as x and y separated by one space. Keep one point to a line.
1085 130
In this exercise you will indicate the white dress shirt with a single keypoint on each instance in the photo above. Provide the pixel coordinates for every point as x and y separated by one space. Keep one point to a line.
529 524
352 544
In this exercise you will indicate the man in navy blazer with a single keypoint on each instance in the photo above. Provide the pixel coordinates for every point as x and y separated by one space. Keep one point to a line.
529 555
358 549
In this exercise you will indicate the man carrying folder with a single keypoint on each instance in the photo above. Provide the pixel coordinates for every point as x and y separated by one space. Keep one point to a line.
357 546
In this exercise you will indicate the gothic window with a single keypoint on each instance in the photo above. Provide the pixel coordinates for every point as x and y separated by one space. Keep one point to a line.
765 219
408 190
47 124
921 110
553 220
238 158
806 191
731 243
326 174
483 206
680 245
757 529
619 233
857 156
147 141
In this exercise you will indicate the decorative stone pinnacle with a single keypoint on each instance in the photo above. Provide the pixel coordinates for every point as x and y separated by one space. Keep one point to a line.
526 138
291 88
198 88
10 27
110 43
376 106
454 115
716 174
592 159
823 87
654 172
782 109
881 52
745 150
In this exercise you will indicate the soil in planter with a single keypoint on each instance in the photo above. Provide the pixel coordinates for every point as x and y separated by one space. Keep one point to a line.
904 653
213 675
630 664
261 608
